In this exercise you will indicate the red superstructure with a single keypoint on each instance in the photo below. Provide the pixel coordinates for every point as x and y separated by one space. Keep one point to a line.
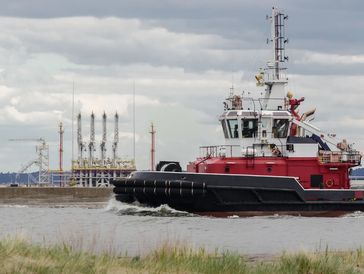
334 175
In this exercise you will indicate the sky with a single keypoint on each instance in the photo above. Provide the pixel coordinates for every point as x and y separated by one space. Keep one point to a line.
182 56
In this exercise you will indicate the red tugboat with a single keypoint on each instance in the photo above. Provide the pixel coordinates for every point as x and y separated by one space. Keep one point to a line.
273 161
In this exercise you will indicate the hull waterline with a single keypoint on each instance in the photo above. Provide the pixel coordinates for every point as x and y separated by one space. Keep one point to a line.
242 195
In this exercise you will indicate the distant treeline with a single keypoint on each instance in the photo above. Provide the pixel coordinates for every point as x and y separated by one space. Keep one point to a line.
358 172
10 177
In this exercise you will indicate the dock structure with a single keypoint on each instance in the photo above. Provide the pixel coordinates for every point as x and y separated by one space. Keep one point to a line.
98 172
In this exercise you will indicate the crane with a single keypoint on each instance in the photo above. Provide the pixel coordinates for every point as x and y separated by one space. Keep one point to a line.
27 139
42 160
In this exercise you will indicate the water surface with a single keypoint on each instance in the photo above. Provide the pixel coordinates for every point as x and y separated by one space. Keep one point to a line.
135 230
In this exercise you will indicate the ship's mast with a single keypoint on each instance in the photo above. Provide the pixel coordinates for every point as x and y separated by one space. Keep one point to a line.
275 78
278 41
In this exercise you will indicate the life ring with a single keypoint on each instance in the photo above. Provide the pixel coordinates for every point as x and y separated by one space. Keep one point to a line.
329 183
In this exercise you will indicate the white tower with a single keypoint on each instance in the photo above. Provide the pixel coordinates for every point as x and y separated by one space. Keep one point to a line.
103 141
91 145
116 138
81 144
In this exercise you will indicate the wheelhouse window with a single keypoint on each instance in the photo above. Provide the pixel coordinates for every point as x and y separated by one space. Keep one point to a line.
249 128
223 124
233 128
280 128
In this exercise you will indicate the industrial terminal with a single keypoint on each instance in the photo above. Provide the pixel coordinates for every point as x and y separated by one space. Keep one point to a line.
94 165
89 170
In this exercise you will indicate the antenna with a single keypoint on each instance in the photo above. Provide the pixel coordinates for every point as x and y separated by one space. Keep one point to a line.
134 120
73 119
232 86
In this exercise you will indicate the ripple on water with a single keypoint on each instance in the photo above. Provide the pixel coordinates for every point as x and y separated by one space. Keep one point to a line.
356 214
137 209
140 210
13 206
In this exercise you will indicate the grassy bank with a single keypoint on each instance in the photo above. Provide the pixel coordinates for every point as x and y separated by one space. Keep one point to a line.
19 256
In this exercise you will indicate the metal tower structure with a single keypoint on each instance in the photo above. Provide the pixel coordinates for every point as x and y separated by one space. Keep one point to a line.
80 143
42 160
103 141
116 138
91 145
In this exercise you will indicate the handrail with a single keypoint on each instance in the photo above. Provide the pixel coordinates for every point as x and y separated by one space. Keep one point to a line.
314 130
212 151
216 151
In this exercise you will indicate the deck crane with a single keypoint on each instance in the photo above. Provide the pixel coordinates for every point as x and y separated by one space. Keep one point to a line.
42 160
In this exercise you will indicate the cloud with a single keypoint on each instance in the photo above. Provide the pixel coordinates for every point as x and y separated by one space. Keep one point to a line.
182 58
108 41
112 103
329 59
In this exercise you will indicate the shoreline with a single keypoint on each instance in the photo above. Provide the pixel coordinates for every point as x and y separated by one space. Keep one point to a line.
53 196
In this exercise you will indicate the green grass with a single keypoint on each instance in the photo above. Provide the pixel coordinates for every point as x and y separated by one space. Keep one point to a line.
20 256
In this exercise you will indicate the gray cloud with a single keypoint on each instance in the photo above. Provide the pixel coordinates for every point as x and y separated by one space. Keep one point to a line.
319 25
182 57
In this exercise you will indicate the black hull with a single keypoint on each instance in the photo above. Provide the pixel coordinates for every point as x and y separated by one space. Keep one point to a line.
242 195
